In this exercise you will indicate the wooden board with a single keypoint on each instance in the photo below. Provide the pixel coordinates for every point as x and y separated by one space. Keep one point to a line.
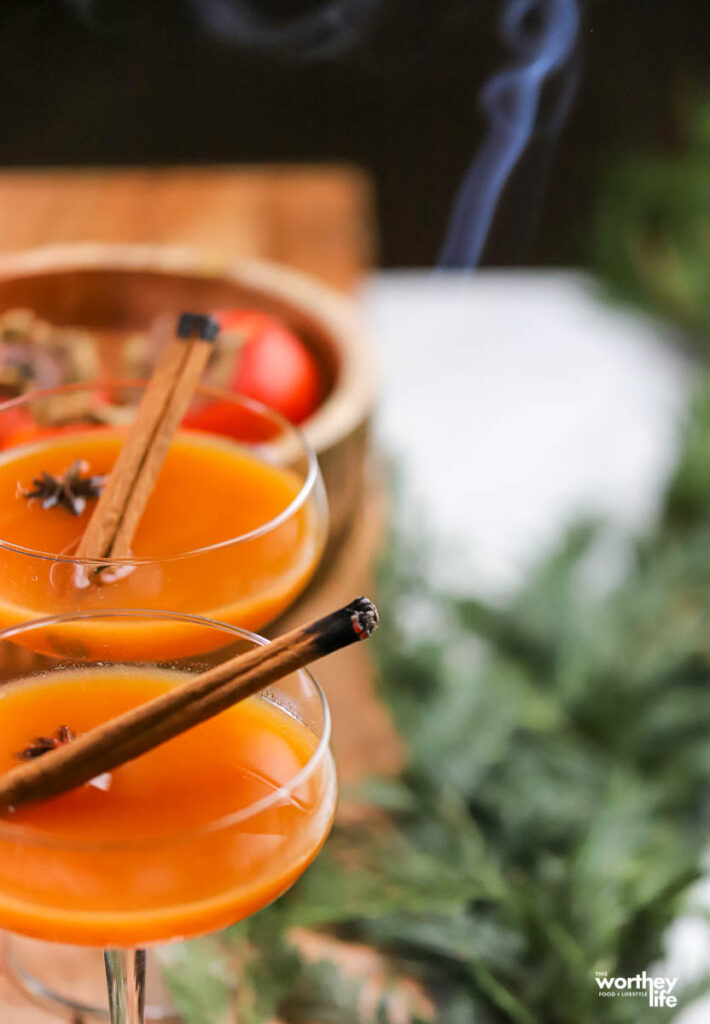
316 219
364 738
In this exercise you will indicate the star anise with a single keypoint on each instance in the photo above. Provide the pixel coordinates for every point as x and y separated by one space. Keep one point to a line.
70 491
42 744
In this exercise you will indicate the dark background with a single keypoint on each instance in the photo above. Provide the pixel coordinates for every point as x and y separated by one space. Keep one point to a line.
135 82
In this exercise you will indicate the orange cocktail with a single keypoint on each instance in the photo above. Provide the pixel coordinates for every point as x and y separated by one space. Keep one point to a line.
102 883
190 837
233 529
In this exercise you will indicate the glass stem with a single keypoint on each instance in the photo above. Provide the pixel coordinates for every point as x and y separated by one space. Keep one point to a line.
125 974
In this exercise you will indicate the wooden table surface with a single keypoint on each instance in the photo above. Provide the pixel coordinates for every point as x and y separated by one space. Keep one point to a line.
315 219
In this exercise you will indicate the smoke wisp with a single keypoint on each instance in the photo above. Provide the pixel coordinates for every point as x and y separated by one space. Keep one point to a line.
542 35
319 32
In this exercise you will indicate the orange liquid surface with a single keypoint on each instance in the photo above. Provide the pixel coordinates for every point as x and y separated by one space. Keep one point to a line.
209 491
152 858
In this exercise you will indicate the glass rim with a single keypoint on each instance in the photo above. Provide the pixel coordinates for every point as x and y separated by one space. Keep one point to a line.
305 491
30 835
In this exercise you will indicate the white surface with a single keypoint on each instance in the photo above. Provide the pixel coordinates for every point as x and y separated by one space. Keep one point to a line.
688 950
517 400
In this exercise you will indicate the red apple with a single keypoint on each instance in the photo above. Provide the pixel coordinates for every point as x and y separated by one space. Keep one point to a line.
272 364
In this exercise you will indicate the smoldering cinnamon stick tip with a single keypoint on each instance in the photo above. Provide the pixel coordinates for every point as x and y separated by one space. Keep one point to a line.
356 621
197 325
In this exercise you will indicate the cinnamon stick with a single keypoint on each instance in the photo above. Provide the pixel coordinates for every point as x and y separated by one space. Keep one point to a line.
118 511
139 730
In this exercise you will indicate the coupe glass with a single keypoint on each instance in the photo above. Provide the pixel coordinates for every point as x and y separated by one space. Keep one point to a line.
245 578
177 885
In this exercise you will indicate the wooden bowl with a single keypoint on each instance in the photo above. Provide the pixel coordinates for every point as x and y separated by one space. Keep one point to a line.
115 289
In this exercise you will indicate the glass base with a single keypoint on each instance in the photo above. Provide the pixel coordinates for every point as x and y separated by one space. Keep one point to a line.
70 981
